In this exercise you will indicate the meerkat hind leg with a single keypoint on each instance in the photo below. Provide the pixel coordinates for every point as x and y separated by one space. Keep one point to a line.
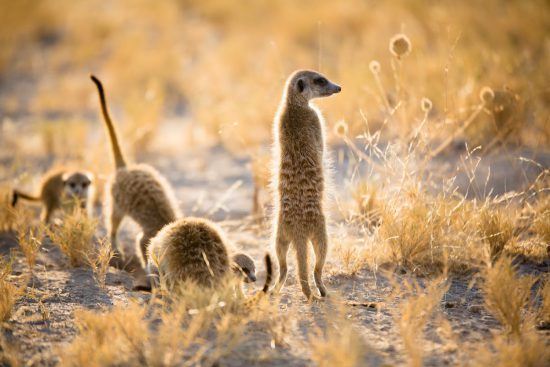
282 246
142 241
46 215
113 223
301 256
319 243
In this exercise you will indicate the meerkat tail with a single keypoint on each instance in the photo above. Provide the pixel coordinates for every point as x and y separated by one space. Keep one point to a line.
268 272
18 194
117 152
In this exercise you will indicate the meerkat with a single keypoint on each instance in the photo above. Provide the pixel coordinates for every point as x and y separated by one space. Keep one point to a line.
135 190
195 249
299 177
61 189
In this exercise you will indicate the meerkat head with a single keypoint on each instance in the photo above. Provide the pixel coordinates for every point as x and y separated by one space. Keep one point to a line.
244 265
304 85
77 184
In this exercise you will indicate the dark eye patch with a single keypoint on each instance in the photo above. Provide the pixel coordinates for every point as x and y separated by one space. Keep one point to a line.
72 185
320 81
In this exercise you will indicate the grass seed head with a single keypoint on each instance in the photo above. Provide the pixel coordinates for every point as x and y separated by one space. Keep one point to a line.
374 67
426 104
400 45
341 129
486 95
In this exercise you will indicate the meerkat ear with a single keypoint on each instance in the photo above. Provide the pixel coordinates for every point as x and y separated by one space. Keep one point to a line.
301 85
90 176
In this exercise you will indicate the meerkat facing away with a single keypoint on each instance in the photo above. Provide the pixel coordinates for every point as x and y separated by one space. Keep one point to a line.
299 176
196 249
61 189
135 190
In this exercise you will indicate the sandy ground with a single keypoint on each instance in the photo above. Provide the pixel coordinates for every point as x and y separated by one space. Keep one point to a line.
43 319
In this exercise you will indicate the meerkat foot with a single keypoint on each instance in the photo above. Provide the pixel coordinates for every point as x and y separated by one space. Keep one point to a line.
313 298
322 290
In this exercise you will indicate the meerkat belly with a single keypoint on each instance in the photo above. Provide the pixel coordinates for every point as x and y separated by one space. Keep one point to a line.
140 194
301 190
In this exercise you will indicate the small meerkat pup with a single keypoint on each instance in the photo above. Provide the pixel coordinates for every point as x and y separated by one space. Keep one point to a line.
195 249
61 189
299 176
135 190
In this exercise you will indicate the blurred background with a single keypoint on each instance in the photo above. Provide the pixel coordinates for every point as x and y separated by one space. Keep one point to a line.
222 64
183 73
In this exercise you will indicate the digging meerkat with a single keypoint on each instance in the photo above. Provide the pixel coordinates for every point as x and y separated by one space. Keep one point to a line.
61 189
137 191
299 176
196 249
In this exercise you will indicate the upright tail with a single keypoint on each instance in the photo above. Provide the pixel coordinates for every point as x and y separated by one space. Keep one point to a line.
268 272
18 194
117 152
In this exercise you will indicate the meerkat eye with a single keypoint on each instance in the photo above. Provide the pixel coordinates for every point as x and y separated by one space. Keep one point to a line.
320 81
85 184
72 185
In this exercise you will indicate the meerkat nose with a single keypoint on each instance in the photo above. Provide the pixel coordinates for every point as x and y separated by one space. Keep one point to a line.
338 89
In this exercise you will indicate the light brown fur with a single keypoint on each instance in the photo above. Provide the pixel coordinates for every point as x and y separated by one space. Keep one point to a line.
137 191
299 176
61 189
196 249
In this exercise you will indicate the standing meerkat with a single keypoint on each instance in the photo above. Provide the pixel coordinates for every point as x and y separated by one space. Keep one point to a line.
299 176
196 249
61 189
135 190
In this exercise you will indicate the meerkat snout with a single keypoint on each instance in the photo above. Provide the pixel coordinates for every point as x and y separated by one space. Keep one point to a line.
243 264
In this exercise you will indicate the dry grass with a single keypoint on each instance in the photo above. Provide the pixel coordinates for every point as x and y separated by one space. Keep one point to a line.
412 234
184 325
9 354
507 295
427 234
353 256
116 337
530 350
75 237
339 344
30 241
98 260
368 204
9 292
414 312
8 214
497 229
541 220
544 311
